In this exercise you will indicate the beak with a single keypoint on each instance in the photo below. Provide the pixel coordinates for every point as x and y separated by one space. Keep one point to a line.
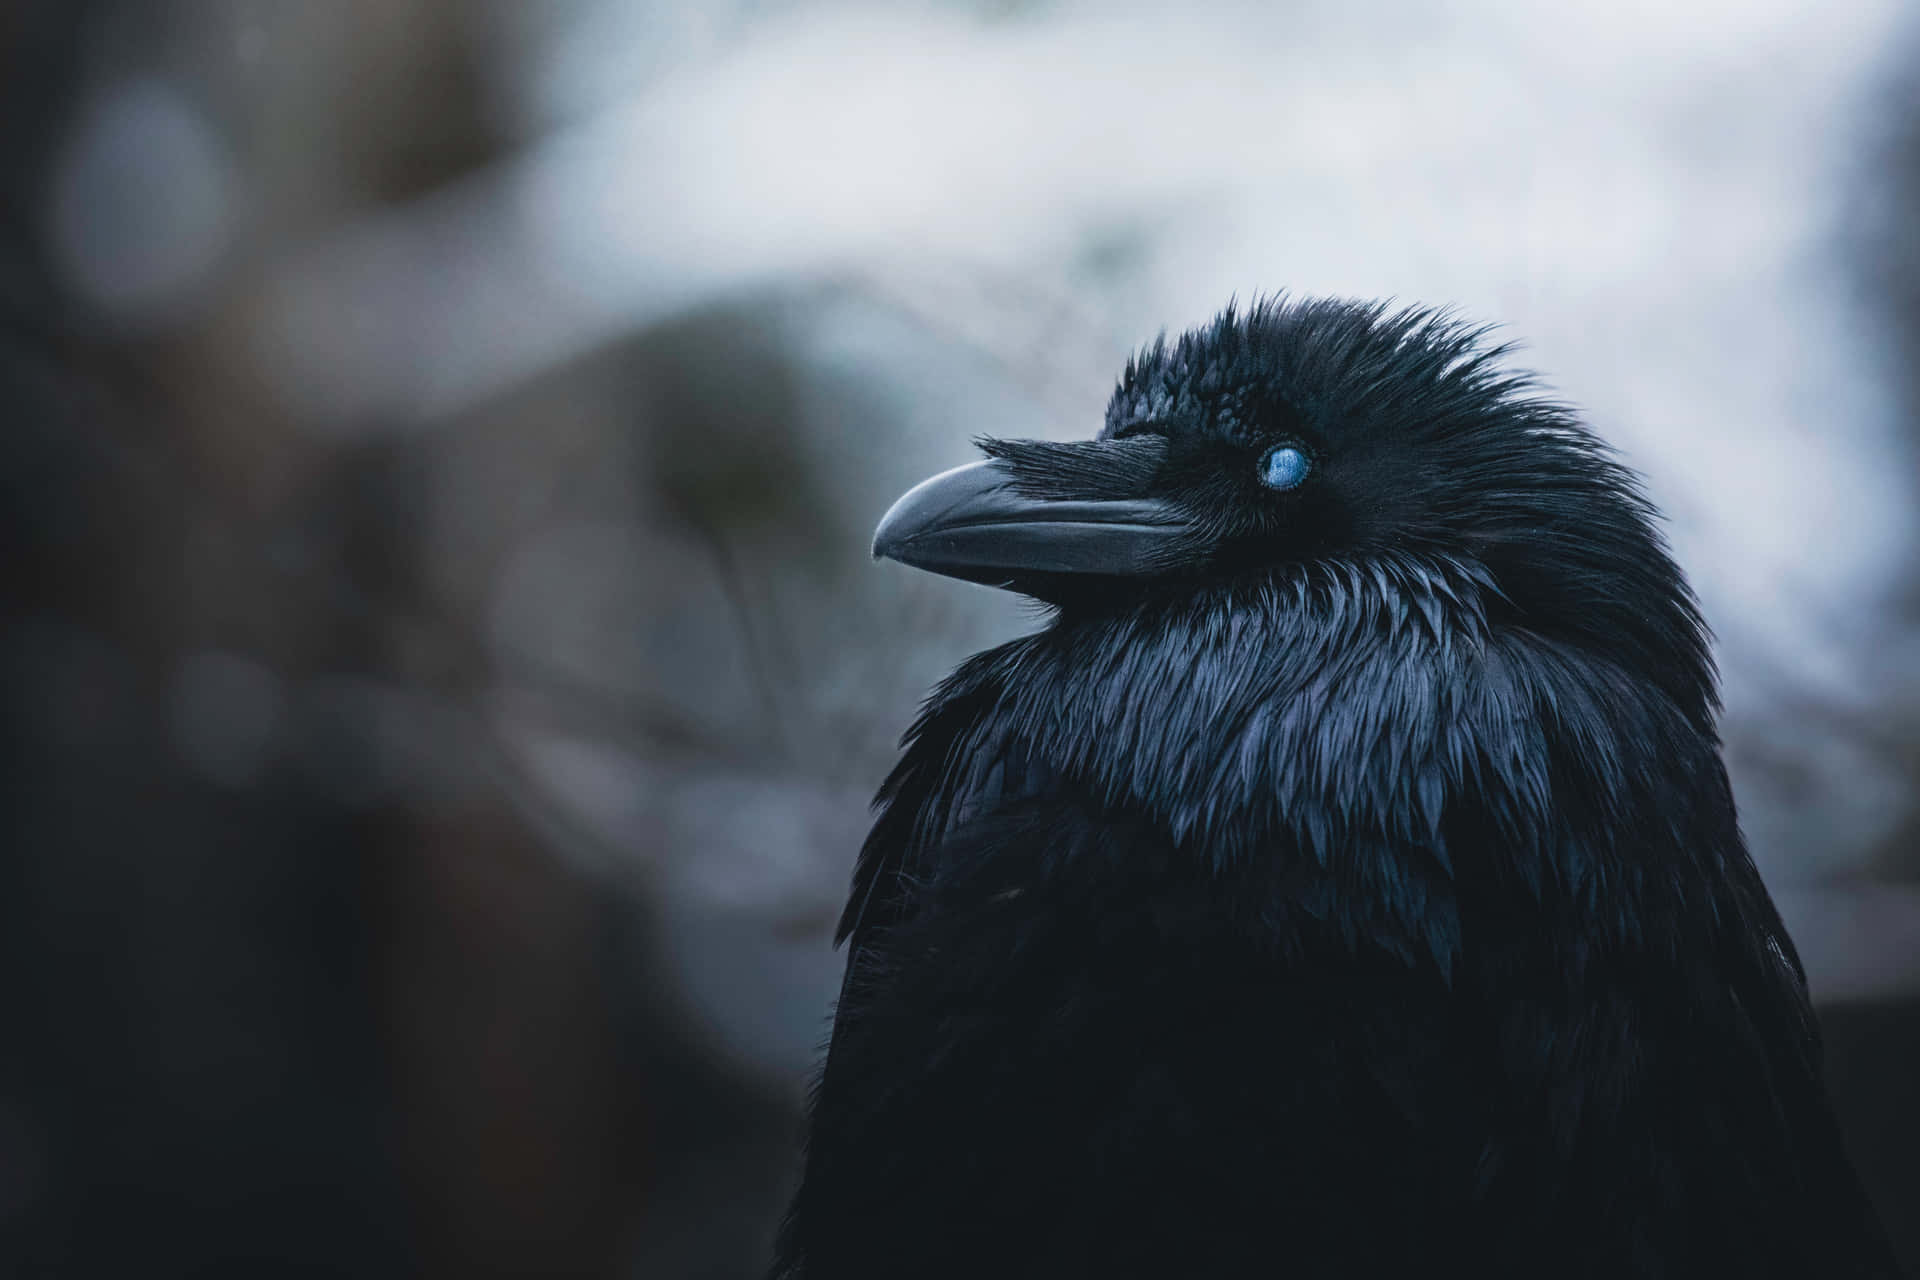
972 523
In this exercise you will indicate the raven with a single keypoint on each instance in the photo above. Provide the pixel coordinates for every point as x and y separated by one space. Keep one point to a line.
1343 882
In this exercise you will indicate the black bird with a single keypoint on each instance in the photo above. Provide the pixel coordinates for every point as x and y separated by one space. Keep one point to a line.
1344 882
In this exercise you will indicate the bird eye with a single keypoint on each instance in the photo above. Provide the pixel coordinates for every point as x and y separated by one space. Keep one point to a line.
1284 467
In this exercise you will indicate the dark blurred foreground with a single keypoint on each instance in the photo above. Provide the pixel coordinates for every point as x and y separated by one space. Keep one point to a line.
422 831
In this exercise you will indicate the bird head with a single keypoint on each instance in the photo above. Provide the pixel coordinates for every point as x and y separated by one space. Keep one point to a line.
1334 443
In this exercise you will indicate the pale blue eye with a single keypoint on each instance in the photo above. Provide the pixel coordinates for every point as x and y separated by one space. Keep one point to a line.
1284 467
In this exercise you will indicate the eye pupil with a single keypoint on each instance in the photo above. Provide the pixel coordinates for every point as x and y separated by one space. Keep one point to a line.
1283 467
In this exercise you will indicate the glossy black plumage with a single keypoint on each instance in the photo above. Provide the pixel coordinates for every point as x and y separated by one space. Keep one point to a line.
1345 882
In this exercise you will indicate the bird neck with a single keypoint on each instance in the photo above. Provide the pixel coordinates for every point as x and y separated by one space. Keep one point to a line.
1338 708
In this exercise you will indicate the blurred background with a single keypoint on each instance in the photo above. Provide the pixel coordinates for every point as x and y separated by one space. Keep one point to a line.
442 675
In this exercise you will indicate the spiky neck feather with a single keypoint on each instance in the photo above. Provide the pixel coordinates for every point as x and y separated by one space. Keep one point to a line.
1379 723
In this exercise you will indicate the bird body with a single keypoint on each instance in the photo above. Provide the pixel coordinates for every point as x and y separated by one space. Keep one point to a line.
1345 881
